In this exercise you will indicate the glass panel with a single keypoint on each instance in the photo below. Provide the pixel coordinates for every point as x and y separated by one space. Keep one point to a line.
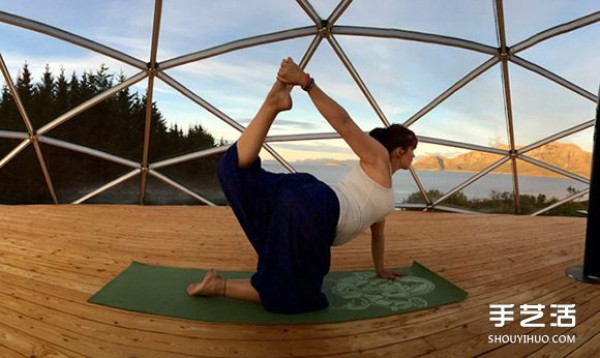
122 25
333 78
542 108
115 126
406 190
584 141
192 26
237 82
571 56
22 180
440 168
75 174
544 188
127 192
187 126
473 20
10 119
53 76
577 207
493 193
563 155
199 176
403 87
474 114
524 19
160 193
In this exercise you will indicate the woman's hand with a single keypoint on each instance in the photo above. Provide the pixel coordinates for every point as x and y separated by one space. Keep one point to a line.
390 275
290 73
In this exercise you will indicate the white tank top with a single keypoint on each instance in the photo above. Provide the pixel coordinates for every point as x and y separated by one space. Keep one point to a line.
363 202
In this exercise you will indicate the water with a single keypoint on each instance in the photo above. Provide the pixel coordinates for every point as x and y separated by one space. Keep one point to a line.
404 185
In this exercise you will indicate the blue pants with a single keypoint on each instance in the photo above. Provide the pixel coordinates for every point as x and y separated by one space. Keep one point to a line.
290 219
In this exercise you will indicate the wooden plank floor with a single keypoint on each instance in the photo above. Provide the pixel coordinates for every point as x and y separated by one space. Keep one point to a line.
52 258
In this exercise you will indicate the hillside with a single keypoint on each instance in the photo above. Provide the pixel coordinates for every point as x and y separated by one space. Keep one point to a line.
566 156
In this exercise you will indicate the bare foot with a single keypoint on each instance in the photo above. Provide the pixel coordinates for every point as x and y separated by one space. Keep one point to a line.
212 285
279 97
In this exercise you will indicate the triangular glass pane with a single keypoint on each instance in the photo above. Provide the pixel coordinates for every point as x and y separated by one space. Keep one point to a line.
570 56
237 83
492 193
10 118
403 87
543 187
114 126
333 78
473 20
53 76
75 174
474 114
435 172
188 126
584 140
127 192
22 180
524 19
198 175
122 25
199 25
160 193
563 155
542 108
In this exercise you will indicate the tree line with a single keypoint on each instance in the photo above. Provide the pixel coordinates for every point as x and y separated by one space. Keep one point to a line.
115 126
503 202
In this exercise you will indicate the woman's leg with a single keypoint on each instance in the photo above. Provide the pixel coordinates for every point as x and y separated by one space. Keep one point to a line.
215 285
251 140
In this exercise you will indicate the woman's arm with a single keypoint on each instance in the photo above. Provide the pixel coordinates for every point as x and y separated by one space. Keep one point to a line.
373 156
378 251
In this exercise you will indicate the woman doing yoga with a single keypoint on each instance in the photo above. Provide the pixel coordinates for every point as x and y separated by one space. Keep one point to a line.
292 220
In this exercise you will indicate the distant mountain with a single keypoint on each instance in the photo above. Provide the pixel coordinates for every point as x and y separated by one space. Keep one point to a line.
567 156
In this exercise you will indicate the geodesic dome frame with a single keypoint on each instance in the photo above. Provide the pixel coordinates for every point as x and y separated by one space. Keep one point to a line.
324 30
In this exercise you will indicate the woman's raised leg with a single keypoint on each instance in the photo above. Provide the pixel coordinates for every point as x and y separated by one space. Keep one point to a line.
253 137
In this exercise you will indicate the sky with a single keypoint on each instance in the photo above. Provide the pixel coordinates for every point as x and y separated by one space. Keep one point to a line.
403 76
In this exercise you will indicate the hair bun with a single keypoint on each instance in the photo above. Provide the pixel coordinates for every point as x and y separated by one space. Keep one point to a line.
379 134
394 136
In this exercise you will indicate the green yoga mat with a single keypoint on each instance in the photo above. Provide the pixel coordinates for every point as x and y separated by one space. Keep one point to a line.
352 295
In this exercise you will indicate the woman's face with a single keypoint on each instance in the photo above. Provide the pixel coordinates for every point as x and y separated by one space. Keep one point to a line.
406 158
402 158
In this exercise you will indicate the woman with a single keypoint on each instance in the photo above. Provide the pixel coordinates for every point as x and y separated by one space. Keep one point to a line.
292 220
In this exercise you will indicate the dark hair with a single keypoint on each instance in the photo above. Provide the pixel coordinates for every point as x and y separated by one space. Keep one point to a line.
395 136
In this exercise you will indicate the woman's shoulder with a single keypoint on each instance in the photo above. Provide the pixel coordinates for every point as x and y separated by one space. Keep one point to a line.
380 172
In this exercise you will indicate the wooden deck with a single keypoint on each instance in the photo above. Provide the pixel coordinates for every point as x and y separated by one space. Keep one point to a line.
52 258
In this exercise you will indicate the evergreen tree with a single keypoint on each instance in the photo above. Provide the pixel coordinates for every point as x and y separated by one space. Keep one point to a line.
43 107
115 126
25 87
